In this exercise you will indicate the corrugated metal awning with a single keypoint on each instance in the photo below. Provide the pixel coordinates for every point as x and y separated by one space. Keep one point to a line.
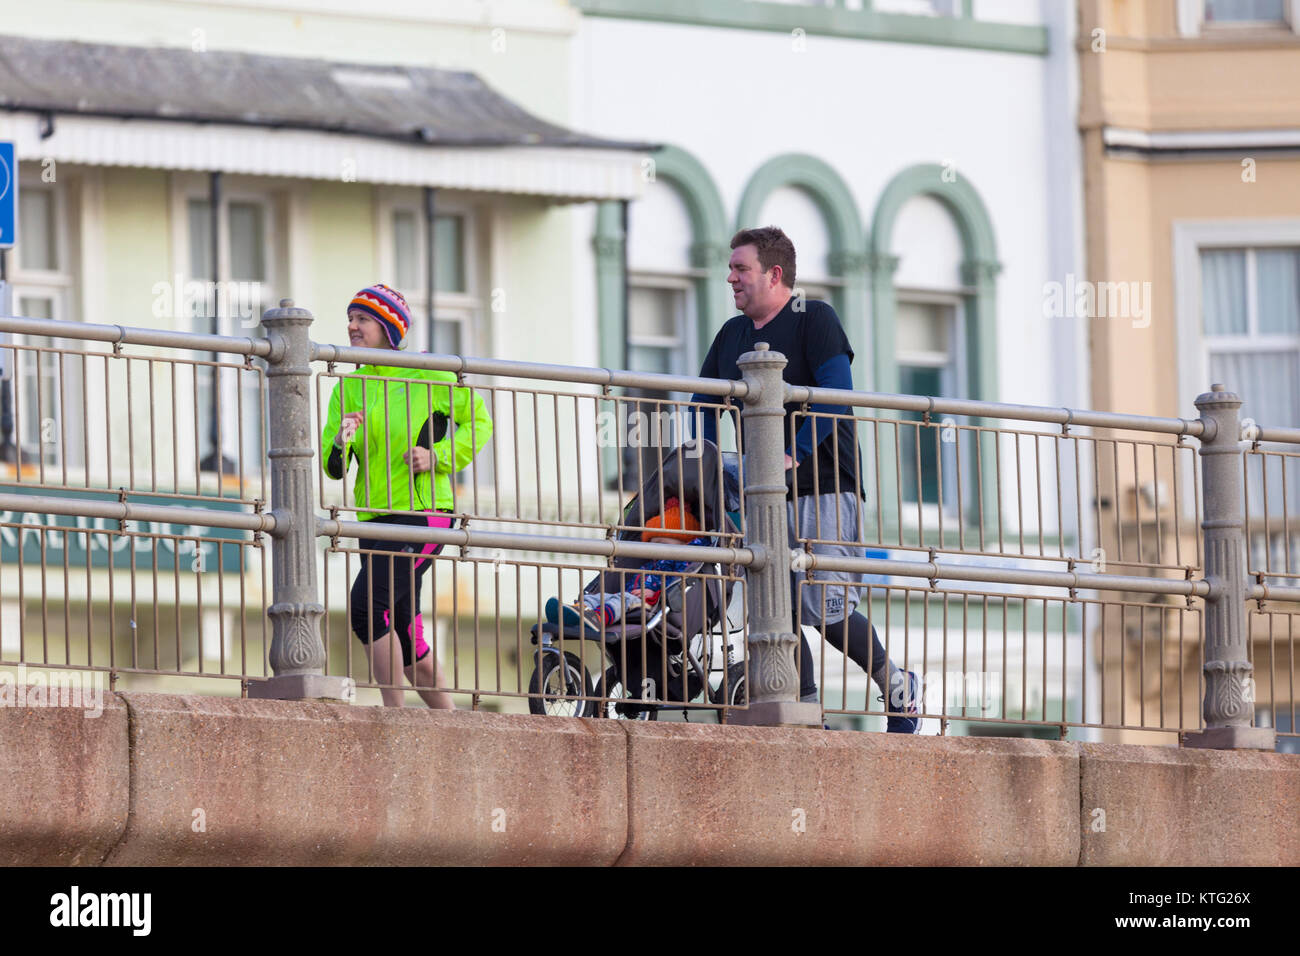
281 116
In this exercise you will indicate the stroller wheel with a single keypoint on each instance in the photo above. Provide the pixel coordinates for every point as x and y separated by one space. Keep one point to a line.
615 709
736 691
630 711
557 685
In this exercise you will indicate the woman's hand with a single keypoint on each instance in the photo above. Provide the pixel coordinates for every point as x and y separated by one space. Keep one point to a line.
420 460
348 428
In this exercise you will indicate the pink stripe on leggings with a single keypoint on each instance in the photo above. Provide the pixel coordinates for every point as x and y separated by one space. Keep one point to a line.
417 630
436 520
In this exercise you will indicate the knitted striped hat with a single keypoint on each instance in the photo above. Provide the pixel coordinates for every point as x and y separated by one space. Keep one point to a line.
388 308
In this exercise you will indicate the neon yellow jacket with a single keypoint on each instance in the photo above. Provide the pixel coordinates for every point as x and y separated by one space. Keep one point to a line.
402 412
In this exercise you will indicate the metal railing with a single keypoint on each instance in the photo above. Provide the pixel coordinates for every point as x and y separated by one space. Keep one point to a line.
1045 568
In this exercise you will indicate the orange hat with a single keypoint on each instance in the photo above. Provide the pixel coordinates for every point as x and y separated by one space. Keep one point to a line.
662 526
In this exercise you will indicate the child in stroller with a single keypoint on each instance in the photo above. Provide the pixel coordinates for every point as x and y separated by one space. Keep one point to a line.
675 526
654 621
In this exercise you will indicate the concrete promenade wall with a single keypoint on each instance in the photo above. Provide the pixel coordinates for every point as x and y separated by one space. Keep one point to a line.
161 779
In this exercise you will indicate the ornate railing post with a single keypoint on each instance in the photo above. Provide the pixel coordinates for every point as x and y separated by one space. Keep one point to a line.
773 678
297 652
1229 703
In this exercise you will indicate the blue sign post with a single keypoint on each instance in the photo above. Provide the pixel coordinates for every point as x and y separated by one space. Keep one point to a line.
8 196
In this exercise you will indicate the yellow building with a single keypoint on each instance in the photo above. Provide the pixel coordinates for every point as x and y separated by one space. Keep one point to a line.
1190 129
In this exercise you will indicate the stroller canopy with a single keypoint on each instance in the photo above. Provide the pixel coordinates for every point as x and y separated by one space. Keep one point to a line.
705 482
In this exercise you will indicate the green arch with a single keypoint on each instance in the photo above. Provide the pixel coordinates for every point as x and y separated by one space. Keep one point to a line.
979 269
709 236
697 189
848 252
961 198
814 177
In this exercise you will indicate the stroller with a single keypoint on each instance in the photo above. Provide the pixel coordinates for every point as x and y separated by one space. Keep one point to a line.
681 648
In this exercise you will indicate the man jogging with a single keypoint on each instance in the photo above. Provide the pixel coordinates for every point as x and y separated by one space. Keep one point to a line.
825 483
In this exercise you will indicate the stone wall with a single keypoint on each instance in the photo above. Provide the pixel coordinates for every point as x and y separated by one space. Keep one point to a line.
166 780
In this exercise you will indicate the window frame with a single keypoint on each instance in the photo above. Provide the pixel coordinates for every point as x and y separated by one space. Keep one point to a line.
59 286
275 201
688 318
1253 340
1192 22
31 446
957 379
1191 237
466 308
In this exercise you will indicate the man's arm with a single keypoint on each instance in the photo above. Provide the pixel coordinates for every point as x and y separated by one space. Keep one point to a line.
833 373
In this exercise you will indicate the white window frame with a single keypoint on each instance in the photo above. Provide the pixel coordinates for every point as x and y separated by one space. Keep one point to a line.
958 383
274 201
1191 21
1253 340
24 403
57 285
688 320
1190 237
465 308
189 186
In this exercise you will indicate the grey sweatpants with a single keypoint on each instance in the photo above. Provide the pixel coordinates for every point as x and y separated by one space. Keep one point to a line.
833 517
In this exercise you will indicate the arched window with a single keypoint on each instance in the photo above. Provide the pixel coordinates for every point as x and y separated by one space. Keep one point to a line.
676 281
662 313
929 336
796 213
933 265
811 202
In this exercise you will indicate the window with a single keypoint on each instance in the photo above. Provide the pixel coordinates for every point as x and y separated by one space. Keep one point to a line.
1250 317
1197 17
453 290
927 348
924 8
1250 320
662 325
458 313
46 385
1245 11
38 251
660 338
1249 328
1237 304
658 325
38 411
233 306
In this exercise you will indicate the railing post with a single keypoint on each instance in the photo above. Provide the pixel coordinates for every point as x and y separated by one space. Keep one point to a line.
773 678
1229 702
297 653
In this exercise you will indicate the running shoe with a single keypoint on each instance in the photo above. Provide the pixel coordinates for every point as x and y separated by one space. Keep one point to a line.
903 697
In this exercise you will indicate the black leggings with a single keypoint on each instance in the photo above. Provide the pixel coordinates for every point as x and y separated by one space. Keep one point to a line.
386 593
864 649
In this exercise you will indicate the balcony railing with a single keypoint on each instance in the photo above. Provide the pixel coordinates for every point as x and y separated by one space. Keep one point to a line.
1053 569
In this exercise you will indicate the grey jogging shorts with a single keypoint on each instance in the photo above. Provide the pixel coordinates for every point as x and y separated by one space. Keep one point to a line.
834 517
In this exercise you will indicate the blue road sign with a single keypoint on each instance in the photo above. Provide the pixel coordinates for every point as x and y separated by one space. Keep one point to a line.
8 196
